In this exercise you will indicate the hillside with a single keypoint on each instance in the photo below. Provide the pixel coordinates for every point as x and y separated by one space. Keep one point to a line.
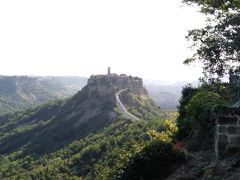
75 124
166 96
100 155
22 92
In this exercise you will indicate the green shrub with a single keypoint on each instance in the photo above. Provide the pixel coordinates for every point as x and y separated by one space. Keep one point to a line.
196 120
168 132
156 161
200 110
183 123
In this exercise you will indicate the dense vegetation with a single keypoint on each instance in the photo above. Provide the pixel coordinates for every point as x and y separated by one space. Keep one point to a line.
102 155
209 6
156 160
197 113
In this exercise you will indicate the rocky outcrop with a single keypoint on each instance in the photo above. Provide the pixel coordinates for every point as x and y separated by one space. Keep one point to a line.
105 89
106 85
101 94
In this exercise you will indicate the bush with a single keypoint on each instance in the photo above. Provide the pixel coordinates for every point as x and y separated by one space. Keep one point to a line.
157 160
200 110
197 118
184 125
168 132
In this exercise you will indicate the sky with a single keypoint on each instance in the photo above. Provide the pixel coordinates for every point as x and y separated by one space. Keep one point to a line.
83 37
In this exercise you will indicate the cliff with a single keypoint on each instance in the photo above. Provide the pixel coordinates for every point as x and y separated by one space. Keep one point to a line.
105 85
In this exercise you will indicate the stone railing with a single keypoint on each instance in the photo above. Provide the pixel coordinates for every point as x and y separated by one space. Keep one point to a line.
227 131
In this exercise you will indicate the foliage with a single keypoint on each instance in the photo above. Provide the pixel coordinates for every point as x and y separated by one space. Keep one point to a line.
183 123
170 129
100 155
140 106
209 6
200 110
217 44
156 161
196 120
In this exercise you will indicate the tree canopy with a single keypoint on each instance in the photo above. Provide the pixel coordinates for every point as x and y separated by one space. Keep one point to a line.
215 4
217 45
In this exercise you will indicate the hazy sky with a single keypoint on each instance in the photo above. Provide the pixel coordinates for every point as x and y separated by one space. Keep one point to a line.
84 37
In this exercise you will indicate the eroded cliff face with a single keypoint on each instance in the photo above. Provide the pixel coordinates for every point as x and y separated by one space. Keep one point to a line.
99 97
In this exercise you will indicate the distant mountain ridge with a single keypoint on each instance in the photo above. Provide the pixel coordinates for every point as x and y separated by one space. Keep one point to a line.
22 92
166 95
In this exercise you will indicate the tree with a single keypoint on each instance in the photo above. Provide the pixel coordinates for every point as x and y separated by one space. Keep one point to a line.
157 160
209 6
217 45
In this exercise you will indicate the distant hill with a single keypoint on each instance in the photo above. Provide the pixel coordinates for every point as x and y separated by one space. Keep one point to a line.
22 92
166 96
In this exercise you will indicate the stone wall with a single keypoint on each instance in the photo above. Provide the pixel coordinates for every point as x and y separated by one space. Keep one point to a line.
227 131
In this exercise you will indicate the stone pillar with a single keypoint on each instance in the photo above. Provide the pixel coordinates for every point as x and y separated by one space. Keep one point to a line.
227 132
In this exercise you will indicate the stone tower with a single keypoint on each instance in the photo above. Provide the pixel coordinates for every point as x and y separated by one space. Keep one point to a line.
109 70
